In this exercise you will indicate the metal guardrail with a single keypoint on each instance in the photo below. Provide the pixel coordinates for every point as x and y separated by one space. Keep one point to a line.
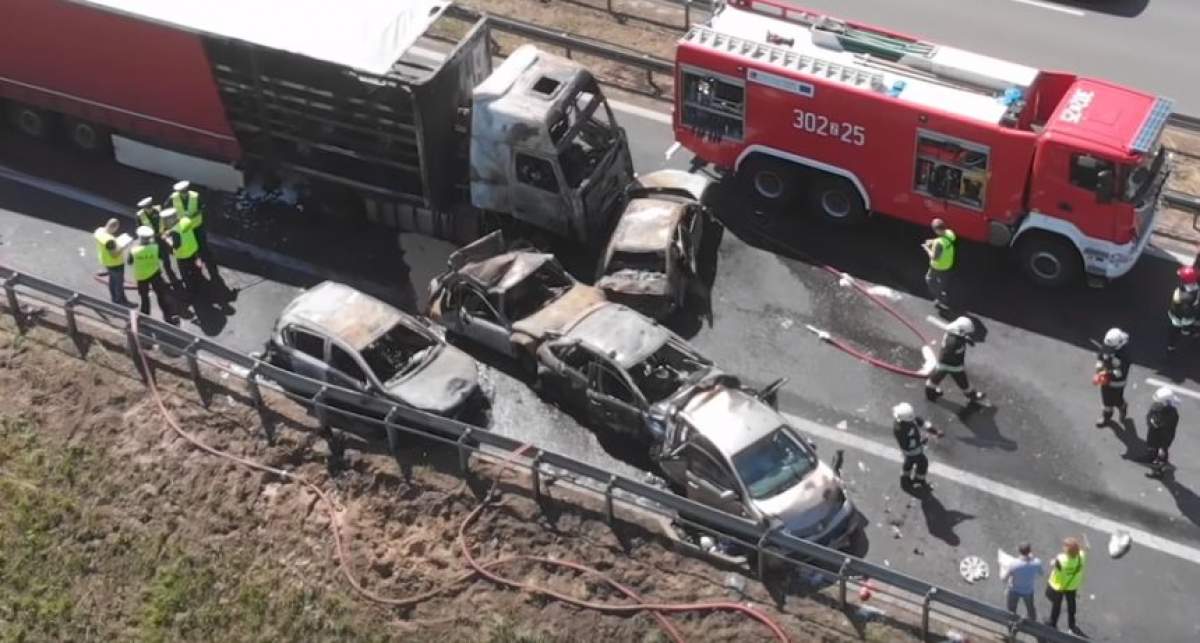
766 540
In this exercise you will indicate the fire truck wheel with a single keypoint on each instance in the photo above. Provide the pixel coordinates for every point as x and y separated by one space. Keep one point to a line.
87 137
1048 260
772 182
30 121
837 200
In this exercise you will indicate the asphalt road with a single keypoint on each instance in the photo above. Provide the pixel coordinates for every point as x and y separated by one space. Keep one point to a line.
1150 44
1036 364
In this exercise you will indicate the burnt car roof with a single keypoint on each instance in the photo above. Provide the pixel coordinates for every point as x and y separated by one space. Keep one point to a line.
502 272
731 418
647 225
340 311
626 336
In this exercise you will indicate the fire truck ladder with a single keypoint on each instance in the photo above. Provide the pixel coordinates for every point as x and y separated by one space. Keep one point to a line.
783 57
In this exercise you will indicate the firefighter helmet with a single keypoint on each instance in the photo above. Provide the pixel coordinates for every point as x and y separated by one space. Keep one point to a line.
1187 275
1116 338
962 327
903 412
1164 394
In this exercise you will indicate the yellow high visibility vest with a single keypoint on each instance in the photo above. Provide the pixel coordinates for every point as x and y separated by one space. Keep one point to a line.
107 259
945 261
189 207
1068 576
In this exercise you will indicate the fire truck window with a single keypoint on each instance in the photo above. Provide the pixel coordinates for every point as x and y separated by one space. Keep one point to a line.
537 172
1086 169
951 169
713 106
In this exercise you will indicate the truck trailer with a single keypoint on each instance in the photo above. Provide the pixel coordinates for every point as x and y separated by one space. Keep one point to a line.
850 119
363 99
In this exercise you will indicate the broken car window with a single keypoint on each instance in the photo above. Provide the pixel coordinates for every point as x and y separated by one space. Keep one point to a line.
343 362
537 172
666 371
773 464
612 385
398 352
637 261
306 343
589 134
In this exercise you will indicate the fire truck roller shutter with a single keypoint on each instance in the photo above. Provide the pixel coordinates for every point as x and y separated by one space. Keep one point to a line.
1048 259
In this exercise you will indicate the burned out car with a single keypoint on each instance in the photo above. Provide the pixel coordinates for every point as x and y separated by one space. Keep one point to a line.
650 263
715 441
335 334
509 301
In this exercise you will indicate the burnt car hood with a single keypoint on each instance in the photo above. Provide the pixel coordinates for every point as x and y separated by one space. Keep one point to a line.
441 385
808 504
636 283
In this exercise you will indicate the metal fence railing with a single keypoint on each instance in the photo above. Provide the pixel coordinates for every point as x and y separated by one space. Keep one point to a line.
771 547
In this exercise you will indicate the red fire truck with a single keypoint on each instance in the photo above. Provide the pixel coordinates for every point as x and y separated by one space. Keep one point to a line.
850 119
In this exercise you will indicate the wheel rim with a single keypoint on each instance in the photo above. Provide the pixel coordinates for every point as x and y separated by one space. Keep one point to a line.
30 122
768 184
835 204
84 136
1046 265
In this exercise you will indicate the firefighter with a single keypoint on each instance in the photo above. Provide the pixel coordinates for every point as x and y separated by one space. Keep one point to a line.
109 254
1161 421
941 250
150 215
1184 308
1112 370
186 202
907 429
181 235
952 362
147 270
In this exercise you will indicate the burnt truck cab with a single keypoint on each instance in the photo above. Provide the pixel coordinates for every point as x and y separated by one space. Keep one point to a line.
1098 174
545 148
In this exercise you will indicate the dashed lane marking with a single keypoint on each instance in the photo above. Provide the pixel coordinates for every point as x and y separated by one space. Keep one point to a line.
1053 7
1003 491
1154 381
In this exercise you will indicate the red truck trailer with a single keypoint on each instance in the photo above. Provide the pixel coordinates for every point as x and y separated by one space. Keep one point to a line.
357 97
853 119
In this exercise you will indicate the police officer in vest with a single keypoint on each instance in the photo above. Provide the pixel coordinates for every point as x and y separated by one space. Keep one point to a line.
150 215
907 430
1112 370
1184 308
941 250
186 202
1066 577
147 270
112 261
181 235
952 361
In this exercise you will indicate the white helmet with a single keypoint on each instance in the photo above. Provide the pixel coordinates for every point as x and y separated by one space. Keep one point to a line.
1166 395
903 412
182 186
962 327
1116 338
145 232
168 214
146 202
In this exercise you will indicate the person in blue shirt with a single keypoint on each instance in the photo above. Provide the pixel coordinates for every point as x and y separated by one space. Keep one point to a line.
1022 578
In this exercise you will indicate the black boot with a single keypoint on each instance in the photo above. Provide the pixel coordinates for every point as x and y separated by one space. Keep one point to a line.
932 393
1105 418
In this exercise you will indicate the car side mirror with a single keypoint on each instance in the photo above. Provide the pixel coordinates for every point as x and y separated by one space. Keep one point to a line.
770 393
839 459
812 445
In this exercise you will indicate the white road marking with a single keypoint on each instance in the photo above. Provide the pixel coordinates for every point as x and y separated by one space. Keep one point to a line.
1052 7
936 322
1002 491
638 110
1153 381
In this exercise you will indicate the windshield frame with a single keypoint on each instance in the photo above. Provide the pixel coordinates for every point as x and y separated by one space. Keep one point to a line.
411 365
784 482
565 141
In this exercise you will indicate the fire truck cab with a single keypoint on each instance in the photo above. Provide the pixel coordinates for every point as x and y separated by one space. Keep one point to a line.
850 119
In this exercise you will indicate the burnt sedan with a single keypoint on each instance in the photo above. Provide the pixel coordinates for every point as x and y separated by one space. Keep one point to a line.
335 334
650 261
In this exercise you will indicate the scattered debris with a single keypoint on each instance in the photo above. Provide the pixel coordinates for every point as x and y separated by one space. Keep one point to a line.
954 636
883 292
842 425
787 323
1119 544
973 569
82 252
917 551
846 281
866 591
862 467
736 582
896 533
868 612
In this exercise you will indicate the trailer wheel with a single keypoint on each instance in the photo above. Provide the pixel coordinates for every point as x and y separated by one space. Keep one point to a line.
837 200
30 121
772 182
1048 260
87 137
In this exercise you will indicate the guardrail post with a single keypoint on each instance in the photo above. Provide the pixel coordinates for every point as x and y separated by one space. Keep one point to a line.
925 604
842 582
1013 629
393 437
687 14
608 499
194 369
73 324
14 306
256 398
762 558
140 364
464 452
535 467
